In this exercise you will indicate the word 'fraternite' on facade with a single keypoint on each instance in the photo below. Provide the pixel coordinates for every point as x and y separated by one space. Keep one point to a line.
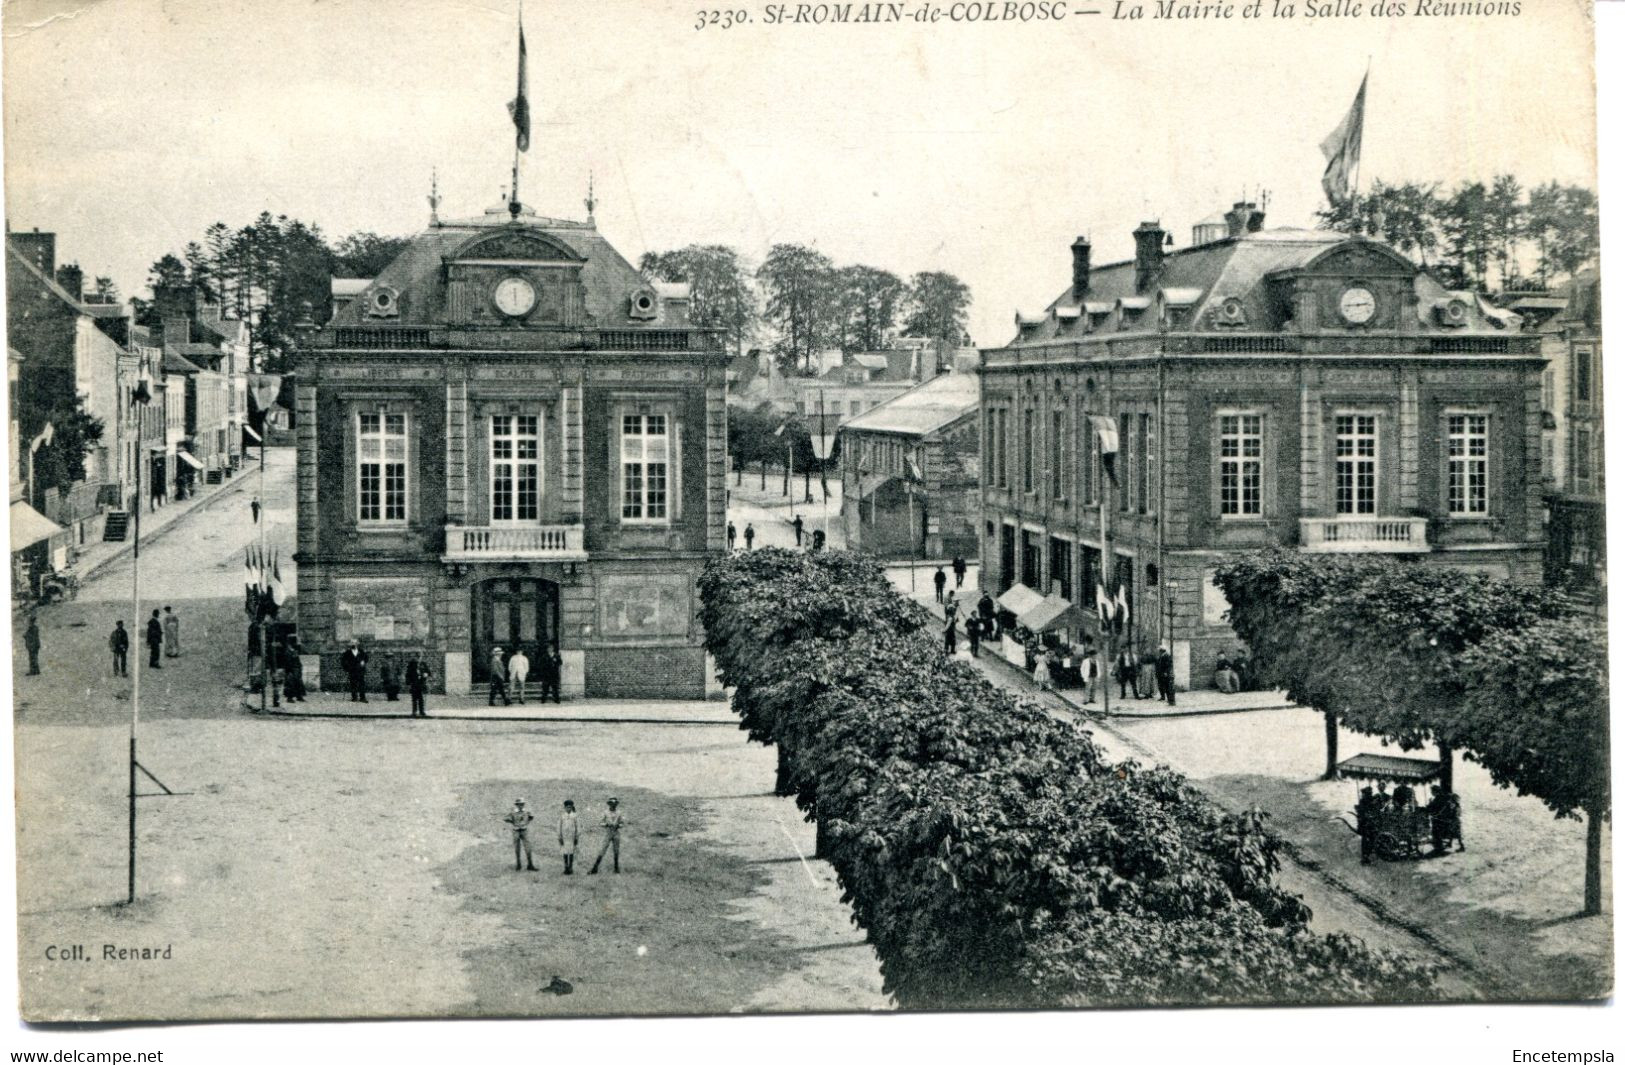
1268 387
509 438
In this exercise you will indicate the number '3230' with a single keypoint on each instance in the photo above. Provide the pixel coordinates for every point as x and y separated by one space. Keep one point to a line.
721 20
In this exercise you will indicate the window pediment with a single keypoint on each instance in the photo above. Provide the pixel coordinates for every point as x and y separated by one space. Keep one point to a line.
517 245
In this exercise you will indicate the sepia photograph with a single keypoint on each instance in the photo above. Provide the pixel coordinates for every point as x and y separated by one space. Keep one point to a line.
624 510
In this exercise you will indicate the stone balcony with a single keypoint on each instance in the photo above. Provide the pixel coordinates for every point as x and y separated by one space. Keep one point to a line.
514 543
1351 534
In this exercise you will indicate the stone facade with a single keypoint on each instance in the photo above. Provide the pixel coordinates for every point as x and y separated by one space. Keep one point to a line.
508 437
1282 388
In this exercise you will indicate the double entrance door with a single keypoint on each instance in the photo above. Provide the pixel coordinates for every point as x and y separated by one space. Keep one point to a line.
511 612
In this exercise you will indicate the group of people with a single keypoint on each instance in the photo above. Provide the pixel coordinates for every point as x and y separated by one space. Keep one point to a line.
1378 807
940 578
509 675
750 535
1233 673
414 674
163 635
612 822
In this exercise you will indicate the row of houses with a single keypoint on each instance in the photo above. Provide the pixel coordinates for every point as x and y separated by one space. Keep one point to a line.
1259 387
71 355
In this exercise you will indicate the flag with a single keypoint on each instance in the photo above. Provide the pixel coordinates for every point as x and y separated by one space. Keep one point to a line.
252 435
278 593
1103 605
519 106
1106 431
1121 614
1342 149
248 568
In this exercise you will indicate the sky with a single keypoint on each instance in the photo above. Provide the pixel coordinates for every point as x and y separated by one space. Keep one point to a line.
979 148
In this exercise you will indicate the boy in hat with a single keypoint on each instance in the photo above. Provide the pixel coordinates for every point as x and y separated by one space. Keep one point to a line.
520 818
612 822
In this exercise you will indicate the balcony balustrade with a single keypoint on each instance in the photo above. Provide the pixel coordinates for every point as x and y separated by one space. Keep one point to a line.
1350 534
514 543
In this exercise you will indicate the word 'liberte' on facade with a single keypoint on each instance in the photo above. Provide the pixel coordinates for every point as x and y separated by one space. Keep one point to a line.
509 438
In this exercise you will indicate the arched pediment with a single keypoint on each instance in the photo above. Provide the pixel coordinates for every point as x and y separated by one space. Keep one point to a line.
518 244
1361 258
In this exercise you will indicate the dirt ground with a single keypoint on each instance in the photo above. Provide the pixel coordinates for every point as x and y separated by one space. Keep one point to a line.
362 869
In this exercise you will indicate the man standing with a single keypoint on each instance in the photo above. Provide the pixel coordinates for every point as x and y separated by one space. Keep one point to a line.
520 818
119 643
518 673
155 641
940 579
750 535
31 641
417 682
984 607
1128 673
733 534
499 678
973 634
389 677
612 822
569 833
293 684
950 638
172 634
1165 674
959 571
797 525
354 663
552 666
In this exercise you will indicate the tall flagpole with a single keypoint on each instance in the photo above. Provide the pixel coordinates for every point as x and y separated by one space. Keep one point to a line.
519 100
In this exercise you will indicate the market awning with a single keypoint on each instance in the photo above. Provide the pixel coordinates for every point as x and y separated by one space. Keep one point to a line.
1018 599
1388 767
29 526
188 458
1052 613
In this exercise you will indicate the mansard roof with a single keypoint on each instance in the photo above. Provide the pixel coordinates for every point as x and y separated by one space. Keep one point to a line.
418 274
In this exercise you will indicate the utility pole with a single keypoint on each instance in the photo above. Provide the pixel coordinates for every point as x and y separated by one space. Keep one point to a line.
136 634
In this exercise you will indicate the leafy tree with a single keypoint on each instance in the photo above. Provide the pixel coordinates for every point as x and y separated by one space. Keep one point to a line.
866 304
366 254
1464 219
797 283
1504 218
719 290
167 272
103 290
1536 716
938 305
75 433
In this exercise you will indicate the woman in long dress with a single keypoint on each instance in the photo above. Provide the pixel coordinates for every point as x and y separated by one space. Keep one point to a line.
1041 672
172 634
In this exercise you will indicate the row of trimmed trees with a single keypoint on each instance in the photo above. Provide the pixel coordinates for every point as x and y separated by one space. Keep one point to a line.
994 856
1515 678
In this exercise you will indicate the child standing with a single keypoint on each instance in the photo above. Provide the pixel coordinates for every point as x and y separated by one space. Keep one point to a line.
569 836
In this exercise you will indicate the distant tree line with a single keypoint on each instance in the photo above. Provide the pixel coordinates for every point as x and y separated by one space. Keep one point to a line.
1476 235
808 304
266 273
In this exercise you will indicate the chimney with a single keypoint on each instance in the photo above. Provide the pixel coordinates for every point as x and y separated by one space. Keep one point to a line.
1255 218
72 278
1243 218
1080 267
177 329
38 248
174 301
1148 240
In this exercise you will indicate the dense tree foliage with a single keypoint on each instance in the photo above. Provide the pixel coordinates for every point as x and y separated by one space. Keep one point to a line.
797 283
938 305
1479 235
74 434
993 855
269 273
1510 675
720 291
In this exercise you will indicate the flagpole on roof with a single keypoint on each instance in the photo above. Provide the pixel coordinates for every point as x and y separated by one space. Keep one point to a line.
519 111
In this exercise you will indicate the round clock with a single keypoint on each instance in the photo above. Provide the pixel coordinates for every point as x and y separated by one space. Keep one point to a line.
514 296
1357 305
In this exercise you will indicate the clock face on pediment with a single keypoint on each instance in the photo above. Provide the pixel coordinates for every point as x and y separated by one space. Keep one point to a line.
514 296
1357 305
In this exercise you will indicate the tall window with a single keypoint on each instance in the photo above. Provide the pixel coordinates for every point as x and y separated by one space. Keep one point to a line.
1125 461
1241 465
1582 375
644 457
1029 448
1582 454
1086 460
381 468
1469 463
1057 449
1356 453
1142 462
515 467
998 457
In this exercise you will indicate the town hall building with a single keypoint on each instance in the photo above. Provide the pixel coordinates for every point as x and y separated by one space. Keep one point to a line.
510 439
1265 387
